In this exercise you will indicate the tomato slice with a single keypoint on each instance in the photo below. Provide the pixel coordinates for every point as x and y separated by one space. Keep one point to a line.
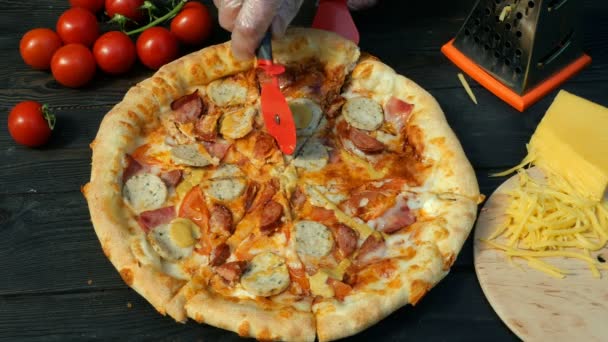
141 155
299 282
194 208
341 289
322 214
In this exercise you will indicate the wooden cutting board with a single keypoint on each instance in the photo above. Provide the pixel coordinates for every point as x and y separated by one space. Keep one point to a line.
536 306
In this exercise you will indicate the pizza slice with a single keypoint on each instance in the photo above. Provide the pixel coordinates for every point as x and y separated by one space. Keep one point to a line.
254 290
399 128
391 246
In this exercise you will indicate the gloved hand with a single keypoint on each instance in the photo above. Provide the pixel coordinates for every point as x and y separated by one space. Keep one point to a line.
248 20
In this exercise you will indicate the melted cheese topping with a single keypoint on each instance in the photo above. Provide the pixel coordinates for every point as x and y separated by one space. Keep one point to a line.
319 286
371 171
363 229
552 220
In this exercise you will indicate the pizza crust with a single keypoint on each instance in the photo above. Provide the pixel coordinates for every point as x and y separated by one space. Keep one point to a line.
251 318
414 277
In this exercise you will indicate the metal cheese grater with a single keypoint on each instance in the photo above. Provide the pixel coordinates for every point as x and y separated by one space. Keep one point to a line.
522 43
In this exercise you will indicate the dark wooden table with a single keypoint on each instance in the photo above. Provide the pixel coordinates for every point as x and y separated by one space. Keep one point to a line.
55 282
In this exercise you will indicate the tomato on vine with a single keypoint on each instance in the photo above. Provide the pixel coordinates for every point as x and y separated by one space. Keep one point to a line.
77 25
114 52
38 46
30 123
73 65
157 46
92 5
194 4
193 24
127 8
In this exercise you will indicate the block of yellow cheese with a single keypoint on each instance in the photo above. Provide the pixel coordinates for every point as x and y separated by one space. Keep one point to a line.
572 141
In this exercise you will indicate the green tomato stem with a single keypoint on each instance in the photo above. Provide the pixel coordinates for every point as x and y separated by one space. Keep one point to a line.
150 8
49 117
169 15
121 20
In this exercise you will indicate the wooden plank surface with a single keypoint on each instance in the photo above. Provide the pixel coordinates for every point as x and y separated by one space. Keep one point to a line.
451 311
50 252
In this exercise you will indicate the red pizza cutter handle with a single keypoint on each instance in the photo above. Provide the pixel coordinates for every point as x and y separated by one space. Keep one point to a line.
277 115
264 55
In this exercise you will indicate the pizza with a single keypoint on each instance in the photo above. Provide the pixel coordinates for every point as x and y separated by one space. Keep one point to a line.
201 214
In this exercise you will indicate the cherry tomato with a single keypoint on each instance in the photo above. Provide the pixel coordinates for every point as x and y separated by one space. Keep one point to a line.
30 124
38 46
73 65
192 25
92 5
156 47
77 25
114 52
129 8
193 4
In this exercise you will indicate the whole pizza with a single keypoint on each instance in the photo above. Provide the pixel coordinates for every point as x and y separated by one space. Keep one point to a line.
202 215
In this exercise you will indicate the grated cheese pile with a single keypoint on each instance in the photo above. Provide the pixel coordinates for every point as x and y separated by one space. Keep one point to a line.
550 218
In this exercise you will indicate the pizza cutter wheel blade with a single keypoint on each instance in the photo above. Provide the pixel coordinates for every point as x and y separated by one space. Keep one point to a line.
275 110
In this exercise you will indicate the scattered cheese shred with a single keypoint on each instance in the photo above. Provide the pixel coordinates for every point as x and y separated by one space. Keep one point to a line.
548 218
505 13
371 171
466 86
363 229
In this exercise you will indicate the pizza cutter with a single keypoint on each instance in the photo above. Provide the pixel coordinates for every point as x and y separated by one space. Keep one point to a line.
334 16
275 110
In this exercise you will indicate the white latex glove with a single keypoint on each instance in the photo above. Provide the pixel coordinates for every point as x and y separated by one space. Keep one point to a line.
360 4
248 20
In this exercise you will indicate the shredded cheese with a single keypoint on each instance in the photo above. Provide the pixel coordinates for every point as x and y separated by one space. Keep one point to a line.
549 218
504 13
363 229
467 88
371 171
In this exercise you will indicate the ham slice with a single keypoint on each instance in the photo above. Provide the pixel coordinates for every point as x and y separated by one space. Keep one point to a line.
232 271
372 250
401 218
397 112
397 217
218 148
150 219
133 167
171 178
188 108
